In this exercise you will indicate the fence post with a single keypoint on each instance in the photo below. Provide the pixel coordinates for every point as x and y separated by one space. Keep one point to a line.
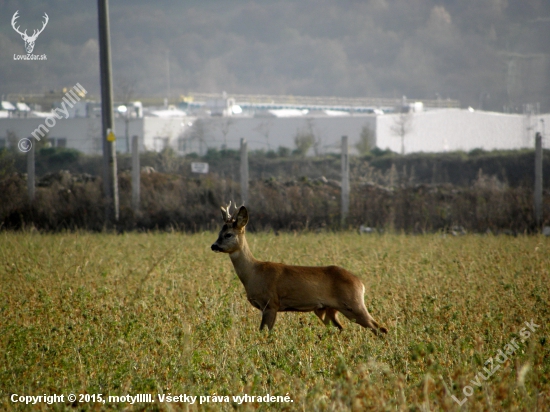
135 175
244 171
345 180
538 179
30 173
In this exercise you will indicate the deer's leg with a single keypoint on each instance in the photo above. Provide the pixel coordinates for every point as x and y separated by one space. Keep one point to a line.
363 318
269 315
321 315
328 315
332 316
366 320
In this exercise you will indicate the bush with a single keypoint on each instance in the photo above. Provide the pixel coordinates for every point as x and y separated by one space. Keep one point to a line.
66 201
283 151
415 193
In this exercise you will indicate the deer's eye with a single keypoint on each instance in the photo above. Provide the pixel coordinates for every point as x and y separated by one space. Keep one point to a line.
227 235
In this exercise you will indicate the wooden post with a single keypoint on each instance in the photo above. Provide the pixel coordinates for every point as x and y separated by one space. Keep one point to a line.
538 179
30 173
244 171
110 181
345 180
135 174
127 129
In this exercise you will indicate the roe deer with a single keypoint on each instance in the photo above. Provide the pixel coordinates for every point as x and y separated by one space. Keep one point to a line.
276 287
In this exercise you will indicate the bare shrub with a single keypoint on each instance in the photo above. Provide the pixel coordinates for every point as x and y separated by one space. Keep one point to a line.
189 203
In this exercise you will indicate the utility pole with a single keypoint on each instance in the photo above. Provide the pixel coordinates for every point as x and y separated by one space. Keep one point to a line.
538 180
345 179
244 171
30 173
168 91
110 182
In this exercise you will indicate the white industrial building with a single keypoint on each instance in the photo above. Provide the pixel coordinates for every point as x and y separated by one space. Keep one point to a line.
267 128
455 129
440 130
269 133
84 133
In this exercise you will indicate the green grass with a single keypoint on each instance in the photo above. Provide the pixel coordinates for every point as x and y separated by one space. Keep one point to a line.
162 314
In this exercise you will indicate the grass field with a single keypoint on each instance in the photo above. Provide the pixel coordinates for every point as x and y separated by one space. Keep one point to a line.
162 314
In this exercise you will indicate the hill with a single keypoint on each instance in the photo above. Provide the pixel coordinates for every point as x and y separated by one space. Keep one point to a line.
488 54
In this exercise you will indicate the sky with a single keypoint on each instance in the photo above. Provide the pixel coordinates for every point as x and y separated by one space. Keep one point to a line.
488 54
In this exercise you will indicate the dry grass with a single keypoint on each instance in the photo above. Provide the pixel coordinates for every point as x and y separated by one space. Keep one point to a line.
160 313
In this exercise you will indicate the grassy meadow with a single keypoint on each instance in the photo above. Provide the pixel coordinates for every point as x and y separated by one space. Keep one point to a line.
160 313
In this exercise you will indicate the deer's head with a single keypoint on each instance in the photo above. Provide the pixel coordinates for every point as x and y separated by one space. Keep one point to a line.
29 40
231 235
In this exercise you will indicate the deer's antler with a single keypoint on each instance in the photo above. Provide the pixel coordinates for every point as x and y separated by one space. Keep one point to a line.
13 21
24 34
37 32
225 212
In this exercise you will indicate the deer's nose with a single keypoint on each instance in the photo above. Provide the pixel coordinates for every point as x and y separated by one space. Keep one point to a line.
215 248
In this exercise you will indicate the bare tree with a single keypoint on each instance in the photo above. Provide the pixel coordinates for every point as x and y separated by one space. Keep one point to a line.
199 132
224 125
317 142
126 89
401 127
264 128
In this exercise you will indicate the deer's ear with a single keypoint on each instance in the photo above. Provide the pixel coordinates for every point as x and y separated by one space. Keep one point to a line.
242 217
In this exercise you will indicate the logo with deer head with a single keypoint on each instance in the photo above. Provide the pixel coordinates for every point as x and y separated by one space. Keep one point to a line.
29 40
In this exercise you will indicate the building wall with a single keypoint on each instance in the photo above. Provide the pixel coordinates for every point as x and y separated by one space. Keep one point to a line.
162 132
432 131
455 129
80 133
135 127
271 132
84 134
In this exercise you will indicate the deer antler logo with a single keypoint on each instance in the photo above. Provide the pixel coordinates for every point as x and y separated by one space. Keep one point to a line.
29 40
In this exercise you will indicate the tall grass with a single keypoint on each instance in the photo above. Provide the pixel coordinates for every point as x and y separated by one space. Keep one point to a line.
160 313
